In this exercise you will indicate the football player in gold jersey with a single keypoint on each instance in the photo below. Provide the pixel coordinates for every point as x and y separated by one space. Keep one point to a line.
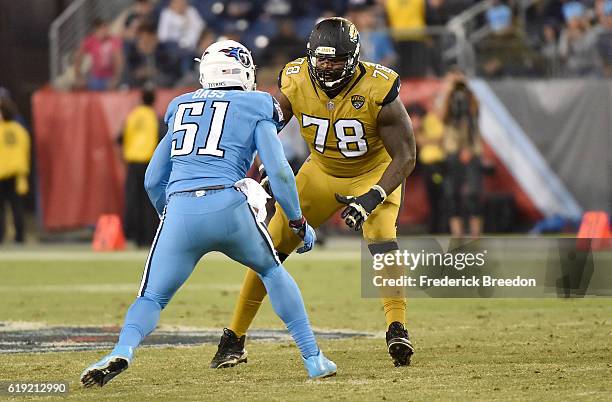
362 149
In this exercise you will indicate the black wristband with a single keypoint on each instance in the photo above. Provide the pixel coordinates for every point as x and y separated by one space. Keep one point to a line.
375 196
298 223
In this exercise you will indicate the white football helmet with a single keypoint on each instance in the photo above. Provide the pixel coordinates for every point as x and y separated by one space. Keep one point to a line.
227 63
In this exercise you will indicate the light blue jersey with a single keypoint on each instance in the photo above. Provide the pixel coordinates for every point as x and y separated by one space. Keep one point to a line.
210 140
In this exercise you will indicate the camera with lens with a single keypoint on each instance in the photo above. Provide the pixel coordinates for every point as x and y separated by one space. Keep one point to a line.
459 101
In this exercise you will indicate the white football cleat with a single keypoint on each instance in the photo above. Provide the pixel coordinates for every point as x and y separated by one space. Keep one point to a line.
110 366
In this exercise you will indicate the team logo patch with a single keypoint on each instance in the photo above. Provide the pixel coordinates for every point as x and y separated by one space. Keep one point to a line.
325 51
357 101
239 54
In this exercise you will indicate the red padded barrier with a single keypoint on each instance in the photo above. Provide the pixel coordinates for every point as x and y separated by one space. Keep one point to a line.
80 172
81 175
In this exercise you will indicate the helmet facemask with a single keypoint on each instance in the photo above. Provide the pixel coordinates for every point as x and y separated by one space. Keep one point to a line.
332 71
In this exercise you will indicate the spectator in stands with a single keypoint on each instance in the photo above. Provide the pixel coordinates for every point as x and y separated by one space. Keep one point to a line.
437 13
134 17
192 77
278 8
132 20
106 55
242 9
604 36
14 167
321 8
504 51
130 30
142 11
429 132
139 139
179 29
376 44
549 48
283 47
577 42
234 14
462 145
407 22
148 62
181 24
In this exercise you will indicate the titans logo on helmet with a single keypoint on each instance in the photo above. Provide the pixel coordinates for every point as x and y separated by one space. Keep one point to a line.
239 54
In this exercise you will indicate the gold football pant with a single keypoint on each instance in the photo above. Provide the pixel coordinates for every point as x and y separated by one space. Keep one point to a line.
316 192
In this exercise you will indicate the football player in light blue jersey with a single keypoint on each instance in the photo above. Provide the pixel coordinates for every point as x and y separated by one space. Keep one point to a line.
196 182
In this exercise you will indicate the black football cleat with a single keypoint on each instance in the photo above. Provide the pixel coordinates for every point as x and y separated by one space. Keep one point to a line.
398 344
231 350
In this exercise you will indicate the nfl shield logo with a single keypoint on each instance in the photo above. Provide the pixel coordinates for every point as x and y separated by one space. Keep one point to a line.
357 101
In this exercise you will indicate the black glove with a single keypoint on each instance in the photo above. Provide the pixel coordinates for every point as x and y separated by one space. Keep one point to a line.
359 208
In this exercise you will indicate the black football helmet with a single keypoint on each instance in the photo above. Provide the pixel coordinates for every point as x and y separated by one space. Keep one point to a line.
336 39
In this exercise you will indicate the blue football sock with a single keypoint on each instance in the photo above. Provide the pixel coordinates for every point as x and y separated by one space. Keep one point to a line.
301 332
288 304
141 319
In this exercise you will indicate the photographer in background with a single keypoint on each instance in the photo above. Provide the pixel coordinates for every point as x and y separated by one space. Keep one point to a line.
462 144
14 167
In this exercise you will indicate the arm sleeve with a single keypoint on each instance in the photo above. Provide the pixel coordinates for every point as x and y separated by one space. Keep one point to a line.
393 92
279 172
158 174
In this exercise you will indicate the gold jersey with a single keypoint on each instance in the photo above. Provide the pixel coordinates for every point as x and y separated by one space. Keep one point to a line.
141 135
341 132
14 150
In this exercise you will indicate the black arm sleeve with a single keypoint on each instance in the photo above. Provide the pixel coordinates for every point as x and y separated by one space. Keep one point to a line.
393 92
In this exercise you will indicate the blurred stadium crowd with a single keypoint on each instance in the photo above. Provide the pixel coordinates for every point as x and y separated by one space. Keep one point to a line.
156 42
152 44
